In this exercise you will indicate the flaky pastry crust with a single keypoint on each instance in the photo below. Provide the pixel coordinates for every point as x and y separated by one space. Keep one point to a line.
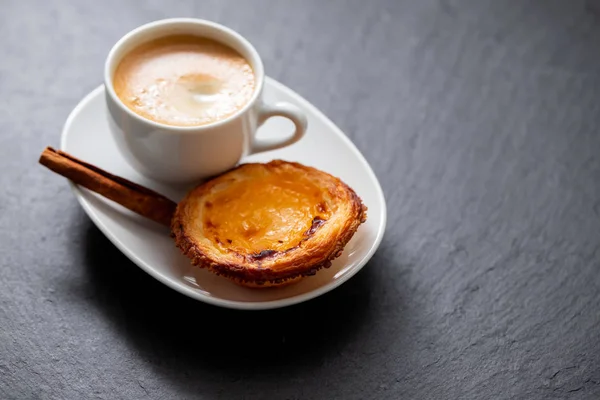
267 224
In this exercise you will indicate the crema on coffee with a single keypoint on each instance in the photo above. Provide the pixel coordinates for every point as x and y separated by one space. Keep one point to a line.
184 80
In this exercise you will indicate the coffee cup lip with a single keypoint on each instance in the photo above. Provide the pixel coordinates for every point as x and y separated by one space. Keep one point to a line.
256 61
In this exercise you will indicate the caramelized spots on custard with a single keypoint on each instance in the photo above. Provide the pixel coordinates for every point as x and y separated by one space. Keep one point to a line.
264 254
271 213
316 223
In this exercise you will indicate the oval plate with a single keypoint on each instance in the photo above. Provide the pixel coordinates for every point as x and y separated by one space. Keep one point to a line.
86 135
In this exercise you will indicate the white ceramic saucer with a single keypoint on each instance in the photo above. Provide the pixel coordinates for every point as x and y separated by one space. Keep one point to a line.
86 135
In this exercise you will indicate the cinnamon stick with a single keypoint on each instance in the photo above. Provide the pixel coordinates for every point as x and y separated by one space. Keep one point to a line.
130 195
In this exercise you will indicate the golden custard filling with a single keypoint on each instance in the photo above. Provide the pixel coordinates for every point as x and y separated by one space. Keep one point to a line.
267 224
273 212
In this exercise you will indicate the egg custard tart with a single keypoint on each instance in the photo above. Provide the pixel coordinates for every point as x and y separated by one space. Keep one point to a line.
267 224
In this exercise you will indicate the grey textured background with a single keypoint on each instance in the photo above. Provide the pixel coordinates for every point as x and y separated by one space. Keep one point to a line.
480 119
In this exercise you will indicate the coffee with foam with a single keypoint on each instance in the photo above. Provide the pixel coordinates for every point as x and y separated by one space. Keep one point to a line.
184 80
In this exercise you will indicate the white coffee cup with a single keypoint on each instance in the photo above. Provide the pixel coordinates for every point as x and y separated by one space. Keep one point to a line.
184 154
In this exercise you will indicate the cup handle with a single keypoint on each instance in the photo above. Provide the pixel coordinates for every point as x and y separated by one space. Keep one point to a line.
280 109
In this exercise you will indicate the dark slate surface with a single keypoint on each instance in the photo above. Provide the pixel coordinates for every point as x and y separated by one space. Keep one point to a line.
480 118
